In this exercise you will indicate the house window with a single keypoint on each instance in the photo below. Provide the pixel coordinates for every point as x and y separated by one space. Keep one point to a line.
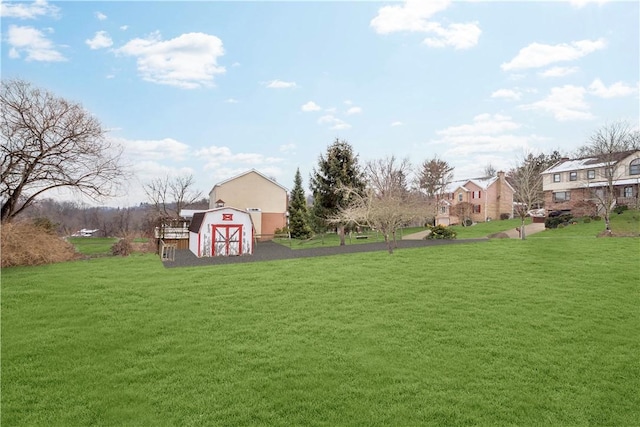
591 174
443 209
573 176
561 196
459 197
556 177
476 194
476 208
628 191
634 167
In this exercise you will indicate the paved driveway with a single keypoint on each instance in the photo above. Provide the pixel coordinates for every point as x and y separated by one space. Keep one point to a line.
270 251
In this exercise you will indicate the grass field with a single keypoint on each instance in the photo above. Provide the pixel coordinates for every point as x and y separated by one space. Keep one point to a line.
93 246
506 332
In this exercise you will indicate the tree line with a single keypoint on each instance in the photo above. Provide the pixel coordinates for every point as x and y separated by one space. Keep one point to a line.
51 143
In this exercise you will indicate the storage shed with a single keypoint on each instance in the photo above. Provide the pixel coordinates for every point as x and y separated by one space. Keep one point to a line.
223 231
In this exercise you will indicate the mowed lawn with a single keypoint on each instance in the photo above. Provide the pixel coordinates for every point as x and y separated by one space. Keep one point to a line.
506 332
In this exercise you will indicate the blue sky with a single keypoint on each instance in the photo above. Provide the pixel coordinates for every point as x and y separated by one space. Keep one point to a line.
213 88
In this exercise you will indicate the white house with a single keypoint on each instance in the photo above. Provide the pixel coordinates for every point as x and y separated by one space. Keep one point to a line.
223 231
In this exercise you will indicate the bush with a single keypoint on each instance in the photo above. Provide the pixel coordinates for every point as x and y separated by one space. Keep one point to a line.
555 221
586 220
467 222
504 216
23 243
122 247
441 232
620 208
596 218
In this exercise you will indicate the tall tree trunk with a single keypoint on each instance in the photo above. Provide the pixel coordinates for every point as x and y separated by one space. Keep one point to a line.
522 232
341 234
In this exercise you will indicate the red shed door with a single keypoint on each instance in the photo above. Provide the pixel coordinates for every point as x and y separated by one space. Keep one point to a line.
227 239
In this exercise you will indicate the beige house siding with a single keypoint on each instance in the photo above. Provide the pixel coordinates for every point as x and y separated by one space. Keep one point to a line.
577 180
265 199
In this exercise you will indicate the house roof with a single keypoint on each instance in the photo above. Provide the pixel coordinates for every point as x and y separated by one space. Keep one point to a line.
483 183
246 173
590 162
198 217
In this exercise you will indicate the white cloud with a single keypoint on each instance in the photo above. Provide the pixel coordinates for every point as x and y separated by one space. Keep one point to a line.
538 55
124 27
287 148
100 41
32 42
28 10
335 122
565 103
411 16
582 3
397 123
311 106
101 16
348 102
154 150
486 134
188 61
217 157
485 124
558 71
279 84
507 94
414 16
231 101
458 36
354 110
616 90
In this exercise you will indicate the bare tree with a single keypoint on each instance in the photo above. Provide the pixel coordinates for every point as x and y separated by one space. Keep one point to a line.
526 180
463 210
489 170
47 143
170 195
609 144
433 177
387 204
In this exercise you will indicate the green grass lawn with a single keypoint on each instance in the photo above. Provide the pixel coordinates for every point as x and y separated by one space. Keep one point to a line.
504 332
93 245
625 224
483 229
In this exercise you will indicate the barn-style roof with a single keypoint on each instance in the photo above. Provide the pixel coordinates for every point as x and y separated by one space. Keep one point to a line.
198 217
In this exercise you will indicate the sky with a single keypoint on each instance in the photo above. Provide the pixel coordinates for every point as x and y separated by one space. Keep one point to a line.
215 88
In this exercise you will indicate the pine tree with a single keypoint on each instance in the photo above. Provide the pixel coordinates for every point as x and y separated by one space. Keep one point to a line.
337 170
298 212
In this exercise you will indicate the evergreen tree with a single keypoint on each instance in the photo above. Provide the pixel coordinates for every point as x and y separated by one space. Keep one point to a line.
298 212
337 170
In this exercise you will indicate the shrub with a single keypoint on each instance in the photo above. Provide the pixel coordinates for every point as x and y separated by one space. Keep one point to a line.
504 216
555 221
586 220
560 226
23 243
122 247
596 218
441 232
620 208
467 222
